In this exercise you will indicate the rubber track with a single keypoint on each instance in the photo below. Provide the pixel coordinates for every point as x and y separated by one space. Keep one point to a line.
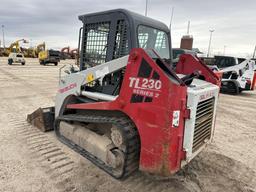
129 132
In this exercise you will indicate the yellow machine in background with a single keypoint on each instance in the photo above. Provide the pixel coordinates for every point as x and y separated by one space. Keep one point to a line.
38 49
14 47
15 53
49 56
33 51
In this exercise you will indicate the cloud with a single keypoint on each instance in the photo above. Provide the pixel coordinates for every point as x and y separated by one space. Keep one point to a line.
56 22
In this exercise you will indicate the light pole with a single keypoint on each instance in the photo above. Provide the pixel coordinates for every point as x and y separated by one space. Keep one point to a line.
209 47
254 52
224 50
3 36
170 26
146 9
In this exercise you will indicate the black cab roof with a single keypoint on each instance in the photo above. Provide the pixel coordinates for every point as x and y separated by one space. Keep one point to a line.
133 17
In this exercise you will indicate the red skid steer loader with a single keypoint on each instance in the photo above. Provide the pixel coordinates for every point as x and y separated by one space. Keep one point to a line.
127 108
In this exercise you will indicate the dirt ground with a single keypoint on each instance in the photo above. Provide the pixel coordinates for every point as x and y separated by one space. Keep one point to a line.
38 162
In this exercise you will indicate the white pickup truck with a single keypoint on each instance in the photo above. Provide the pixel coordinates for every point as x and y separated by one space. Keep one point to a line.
16 58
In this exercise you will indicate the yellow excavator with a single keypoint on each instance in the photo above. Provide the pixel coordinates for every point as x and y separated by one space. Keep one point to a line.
15 47
38 48
32 52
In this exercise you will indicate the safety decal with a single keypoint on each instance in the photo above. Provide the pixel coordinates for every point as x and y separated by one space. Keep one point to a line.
147 85
175 118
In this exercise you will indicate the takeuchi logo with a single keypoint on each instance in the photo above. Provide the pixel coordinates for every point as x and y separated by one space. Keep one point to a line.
65 89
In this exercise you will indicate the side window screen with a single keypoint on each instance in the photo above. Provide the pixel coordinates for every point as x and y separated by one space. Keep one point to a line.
121 40
143 39
95 45
160 41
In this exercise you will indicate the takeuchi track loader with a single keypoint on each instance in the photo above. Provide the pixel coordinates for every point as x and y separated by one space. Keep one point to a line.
126 108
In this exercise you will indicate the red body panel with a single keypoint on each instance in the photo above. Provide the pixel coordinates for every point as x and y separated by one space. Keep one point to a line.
254 81
188 64
151 109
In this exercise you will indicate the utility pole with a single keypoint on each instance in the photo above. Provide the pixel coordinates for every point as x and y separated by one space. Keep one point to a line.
146 9
253 56
224 50
188 28
210 41
3 36
171 18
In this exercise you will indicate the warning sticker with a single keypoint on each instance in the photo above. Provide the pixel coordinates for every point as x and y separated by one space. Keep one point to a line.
176 118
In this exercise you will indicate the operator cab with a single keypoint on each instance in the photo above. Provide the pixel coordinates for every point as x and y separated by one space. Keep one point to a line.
225 61
112 34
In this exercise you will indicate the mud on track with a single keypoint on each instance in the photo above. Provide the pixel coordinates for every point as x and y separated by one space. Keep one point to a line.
34 161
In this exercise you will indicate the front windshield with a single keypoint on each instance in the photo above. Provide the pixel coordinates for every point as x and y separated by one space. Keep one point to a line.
223 62
150 38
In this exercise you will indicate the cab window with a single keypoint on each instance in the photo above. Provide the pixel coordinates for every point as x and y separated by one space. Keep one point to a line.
151 38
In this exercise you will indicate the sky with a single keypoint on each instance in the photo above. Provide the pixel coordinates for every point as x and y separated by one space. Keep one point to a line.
56 22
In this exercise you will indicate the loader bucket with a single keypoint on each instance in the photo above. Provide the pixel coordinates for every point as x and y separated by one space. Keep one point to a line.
42 118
